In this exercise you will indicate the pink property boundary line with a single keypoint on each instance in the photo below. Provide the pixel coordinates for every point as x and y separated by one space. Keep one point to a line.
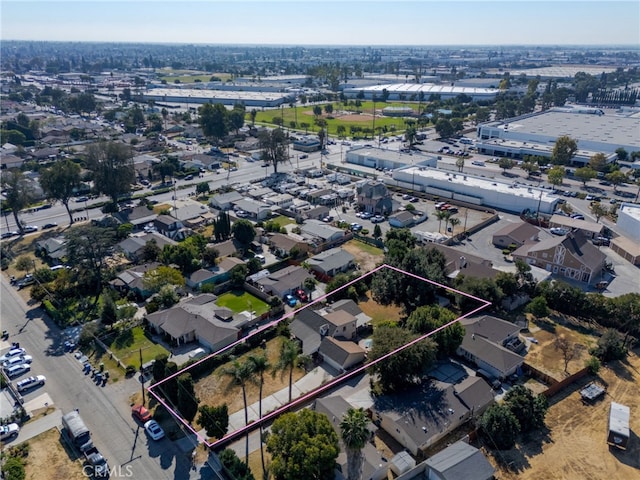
327 386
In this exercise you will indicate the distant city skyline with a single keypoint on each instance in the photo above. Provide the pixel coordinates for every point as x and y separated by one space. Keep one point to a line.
326 22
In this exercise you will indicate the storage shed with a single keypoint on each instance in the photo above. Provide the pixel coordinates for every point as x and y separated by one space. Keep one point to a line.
618 426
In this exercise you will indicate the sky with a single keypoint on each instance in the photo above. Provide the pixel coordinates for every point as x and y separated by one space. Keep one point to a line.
325 22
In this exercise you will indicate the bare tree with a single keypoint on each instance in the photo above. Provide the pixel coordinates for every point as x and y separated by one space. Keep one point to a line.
569 350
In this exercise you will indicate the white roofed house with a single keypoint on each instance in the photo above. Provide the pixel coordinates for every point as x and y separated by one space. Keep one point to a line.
321 233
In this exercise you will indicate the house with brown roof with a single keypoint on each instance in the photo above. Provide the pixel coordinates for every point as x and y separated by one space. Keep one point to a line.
571 256
458 263
132 279
585 227
281 244
515 234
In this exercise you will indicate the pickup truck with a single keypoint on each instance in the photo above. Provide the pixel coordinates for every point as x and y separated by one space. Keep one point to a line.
98 464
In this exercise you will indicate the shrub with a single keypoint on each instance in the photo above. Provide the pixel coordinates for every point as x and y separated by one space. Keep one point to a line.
593 364
130 371
13 469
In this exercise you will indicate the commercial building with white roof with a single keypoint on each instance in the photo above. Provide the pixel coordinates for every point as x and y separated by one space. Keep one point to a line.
595 131
198 96
510 197
629 221
406 90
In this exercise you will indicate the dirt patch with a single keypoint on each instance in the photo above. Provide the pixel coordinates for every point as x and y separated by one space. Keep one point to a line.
545 357
350 117
367 256
48 458
215 390
575 445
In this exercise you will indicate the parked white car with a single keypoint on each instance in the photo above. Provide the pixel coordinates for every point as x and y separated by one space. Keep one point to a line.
8 431
16 361
14 352
31 382
18 370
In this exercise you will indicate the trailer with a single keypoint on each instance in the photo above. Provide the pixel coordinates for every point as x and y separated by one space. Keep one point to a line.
76 431
618 426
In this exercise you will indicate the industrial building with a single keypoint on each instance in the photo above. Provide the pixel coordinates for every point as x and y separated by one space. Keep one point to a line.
198 97
398 91
629 221
510 197
383 159
595 130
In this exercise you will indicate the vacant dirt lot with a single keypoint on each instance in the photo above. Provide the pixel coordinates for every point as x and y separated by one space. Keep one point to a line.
367 256
575 446
544 356
49 459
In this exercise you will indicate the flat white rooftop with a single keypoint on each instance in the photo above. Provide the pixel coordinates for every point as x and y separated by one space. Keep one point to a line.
525 191
212 94
428 89
631 209
562 71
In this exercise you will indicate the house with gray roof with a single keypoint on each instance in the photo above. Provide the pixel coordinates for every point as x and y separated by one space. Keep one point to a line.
331 262
402 219
194 320
351 307
460 461
54 248
321 232
309 327
281 244
341 355
517 233
133 246
132 279
284 281
139 216
225 201
255 209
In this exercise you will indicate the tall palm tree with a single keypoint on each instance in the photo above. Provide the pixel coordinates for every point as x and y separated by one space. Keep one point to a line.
260 365
289 351
354 433
240 373
454 221
440 215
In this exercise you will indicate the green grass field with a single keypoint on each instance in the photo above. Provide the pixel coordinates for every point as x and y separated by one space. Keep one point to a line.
282 220
128 344
187 76
304 115
370 249
239 300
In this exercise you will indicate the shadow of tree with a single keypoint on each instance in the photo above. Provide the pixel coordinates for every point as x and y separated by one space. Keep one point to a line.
124 339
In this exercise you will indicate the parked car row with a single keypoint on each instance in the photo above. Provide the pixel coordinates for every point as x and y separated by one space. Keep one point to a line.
16 362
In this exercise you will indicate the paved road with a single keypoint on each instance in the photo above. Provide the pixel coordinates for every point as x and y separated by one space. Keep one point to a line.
105 410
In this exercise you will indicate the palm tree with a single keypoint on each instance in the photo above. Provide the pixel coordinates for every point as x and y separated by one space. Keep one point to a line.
260 365
240 374
453 221
354 432
289 351
441 215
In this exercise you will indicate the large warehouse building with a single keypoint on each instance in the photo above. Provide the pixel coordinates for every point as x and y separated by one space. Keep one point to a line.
406 90
476 190
225 97
595 130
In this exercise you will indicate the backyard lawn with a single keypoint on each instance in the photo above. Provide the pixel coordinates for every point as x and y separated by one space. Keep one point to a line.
282 220
239 301
128 344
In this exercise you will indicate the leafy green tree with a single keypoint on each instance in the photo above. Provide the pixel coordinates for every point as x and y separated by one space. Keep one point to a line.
430 317
243 231
556 175
88 248
203 188
538 307
309 284
215 420
24 263
564 150
598 210
214 120
354 431
60 182
303 445
500 427
240 374
109 312
460 164
616 178
155 279
585 174
622 154
210 255
13 469
183 255
287 361
598 162
505 164
530 167
166 168
238 275
112 167
528 409
222 227
403 369
159 367
236 467
377 232
18 192
273 145
187 400
150 251
236 117
444 128
611 346
167 296
15 137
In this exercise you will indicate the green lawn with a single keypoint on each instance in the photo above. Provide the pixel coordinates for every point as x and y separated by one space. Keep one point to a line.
282 220
303 114
365 247
239 300
127 345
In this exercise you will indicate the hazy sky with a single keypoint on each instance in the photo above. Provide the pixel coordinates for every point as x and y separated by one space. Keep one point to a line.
326 22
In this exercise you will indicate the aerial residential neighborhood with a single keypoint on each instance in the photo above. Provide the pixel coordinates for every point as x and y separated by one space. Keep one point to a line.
406 262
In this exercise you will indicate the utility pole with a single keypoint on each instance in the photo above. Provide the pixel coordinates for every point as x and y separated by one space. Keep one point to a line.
142 377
